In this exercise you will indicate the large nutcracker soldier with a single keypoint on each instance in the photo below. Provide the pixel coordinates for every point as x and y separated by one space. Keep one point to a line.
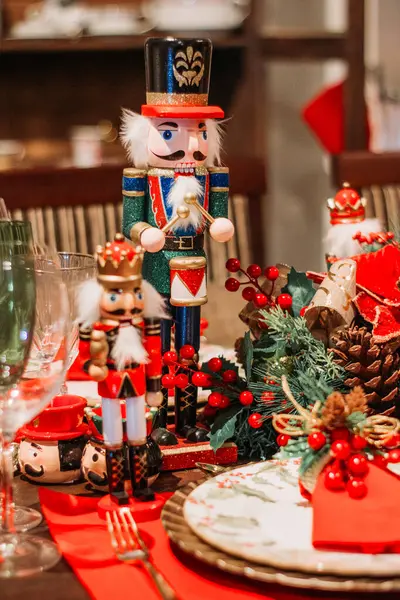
124 314
174 191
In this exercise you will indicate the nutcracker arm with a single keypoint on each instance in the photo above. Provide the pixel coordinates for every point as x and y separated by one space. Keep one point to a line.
134 184
219 191
153 368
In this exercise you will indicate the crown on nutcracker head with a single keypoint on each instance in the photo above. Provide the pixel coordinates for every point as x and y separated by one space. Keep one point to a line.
178 78
118 262
347 206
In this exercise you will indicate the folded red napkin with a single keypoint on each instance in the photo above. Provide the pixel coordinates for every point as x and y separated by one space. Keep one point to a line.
369 524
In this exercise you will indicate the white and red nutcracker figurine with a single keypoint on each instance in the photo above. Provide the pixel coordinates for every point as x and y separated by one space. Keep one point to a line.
176 189
124 314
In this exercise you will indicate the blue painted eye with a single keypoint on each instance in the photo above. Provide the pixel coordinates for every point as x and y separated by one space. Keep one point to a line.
167 134
139 295
113 297
204 135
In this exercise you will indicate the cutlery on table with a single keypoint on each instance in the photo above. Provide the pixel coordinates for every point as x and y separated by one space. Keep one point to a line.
129 547
210 469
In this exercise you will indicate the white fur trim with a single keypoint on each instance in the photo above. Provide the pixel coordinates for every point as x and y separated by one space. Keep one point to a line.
185 185
154 304
214 136
339 241
88 299
128 347
134 134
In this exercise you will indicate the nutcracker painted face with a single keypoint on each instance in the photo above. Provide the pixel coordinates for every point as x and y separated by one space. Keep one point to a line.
180 144
122 304
51 461
94 465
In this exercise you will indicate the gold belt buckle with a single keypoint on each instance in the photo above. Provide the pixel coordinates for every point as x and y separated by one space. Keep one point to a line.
182 243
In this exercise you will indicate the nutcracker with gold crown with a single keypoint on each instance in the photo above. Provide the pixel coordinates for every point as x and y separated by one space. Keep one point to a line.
176 189
347 218
124 313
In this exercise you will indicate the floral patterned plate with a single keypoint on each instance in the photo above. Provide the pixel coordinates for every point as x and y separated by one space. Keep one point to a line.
256 513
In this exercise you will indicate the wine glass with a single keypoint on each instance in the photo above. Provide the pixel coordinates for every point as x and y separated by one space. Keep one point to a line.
41 374
75 268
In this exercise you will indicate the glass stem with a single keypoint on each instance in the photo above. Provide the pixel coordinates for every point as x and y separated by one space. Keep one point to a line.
63 389
6 489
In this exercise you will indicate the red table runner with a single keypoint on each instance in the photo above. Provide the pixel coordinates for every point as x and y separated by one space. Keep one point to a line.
84 542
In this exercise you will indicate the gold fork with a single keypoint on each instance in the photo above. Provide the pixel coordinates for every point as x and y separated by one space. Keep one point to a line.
129 547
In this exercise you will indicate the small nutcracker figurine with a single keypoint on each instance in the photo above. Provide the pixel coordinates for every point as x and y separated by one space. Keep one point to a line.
124 314
176 188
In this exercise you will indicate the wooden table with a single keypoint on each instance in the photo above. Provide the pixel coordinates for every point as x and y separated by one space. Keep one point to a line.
60 582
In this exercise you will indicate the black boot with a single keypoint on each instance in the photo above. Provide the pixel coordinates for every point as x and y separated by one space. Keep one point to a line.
139 474
115 461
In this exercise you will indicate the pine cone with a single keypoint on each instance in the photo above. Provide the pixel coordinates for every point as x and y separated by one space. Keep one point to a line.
374 367
239 351
334 411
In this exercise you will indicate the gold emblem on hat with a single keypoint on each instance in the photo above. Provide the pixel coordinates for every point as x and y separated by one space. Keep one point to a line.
189 67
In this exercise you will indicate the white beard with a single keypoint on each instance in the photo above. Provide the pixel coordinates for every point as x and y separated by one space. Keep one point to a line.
339 241
185 185
128 347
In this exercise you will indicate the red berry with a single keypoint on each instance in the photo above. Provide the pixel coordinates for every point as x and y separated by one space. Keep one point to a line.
248 293
316 440
334 480
229 376
168 381
209 411
170 357
356 488
394 441
341 433
200 379
214 399
255 420
358 465
246 398
283 439
303 311
260 300
380 461
285 301
254 271
181 381
187 352
271 273
215 364
225 402
267 397
232 284
233 265
394 456
358 442
340 449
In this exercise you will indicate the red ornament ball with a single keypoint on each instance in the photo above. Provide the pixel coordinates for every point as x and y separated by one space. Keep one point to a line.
394 456
380 461
358 442
181 381
341 433
254 271
168 381
233 265
215 364
260 300
358 465
334 480
229 376
246 398
283 439
340 449
271 273
255 420
232 284
285 301
170 357
187 352
248 293
356 488
316 440
200 379
214 399
303 311
225 402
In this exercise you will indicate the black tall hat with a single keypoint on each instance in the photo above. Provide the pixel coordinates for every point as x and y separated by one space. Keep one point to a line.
178 78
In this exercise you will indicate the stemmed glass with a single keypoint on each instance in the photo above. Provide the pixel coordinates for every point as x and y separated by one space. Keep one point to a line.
30 286
75 268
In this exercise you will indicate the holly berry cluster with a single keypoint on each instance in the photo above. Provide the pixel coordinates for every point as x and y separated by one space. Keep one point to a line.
254 292
382 238
350 458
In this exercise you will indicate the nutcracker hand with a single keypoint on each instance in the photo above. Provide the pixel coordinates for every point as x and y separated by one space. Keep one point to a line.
97 373
152 239
99 347
154 398
222 230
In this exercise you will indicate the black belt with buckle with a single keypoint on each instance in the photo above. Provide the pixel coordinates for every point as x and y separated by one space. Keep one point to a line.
185 242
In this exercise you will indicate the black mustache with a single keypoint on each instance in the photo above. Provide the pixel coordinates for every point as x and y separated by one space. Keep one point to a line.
97 479
121 311
29 470
174 156
199 155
